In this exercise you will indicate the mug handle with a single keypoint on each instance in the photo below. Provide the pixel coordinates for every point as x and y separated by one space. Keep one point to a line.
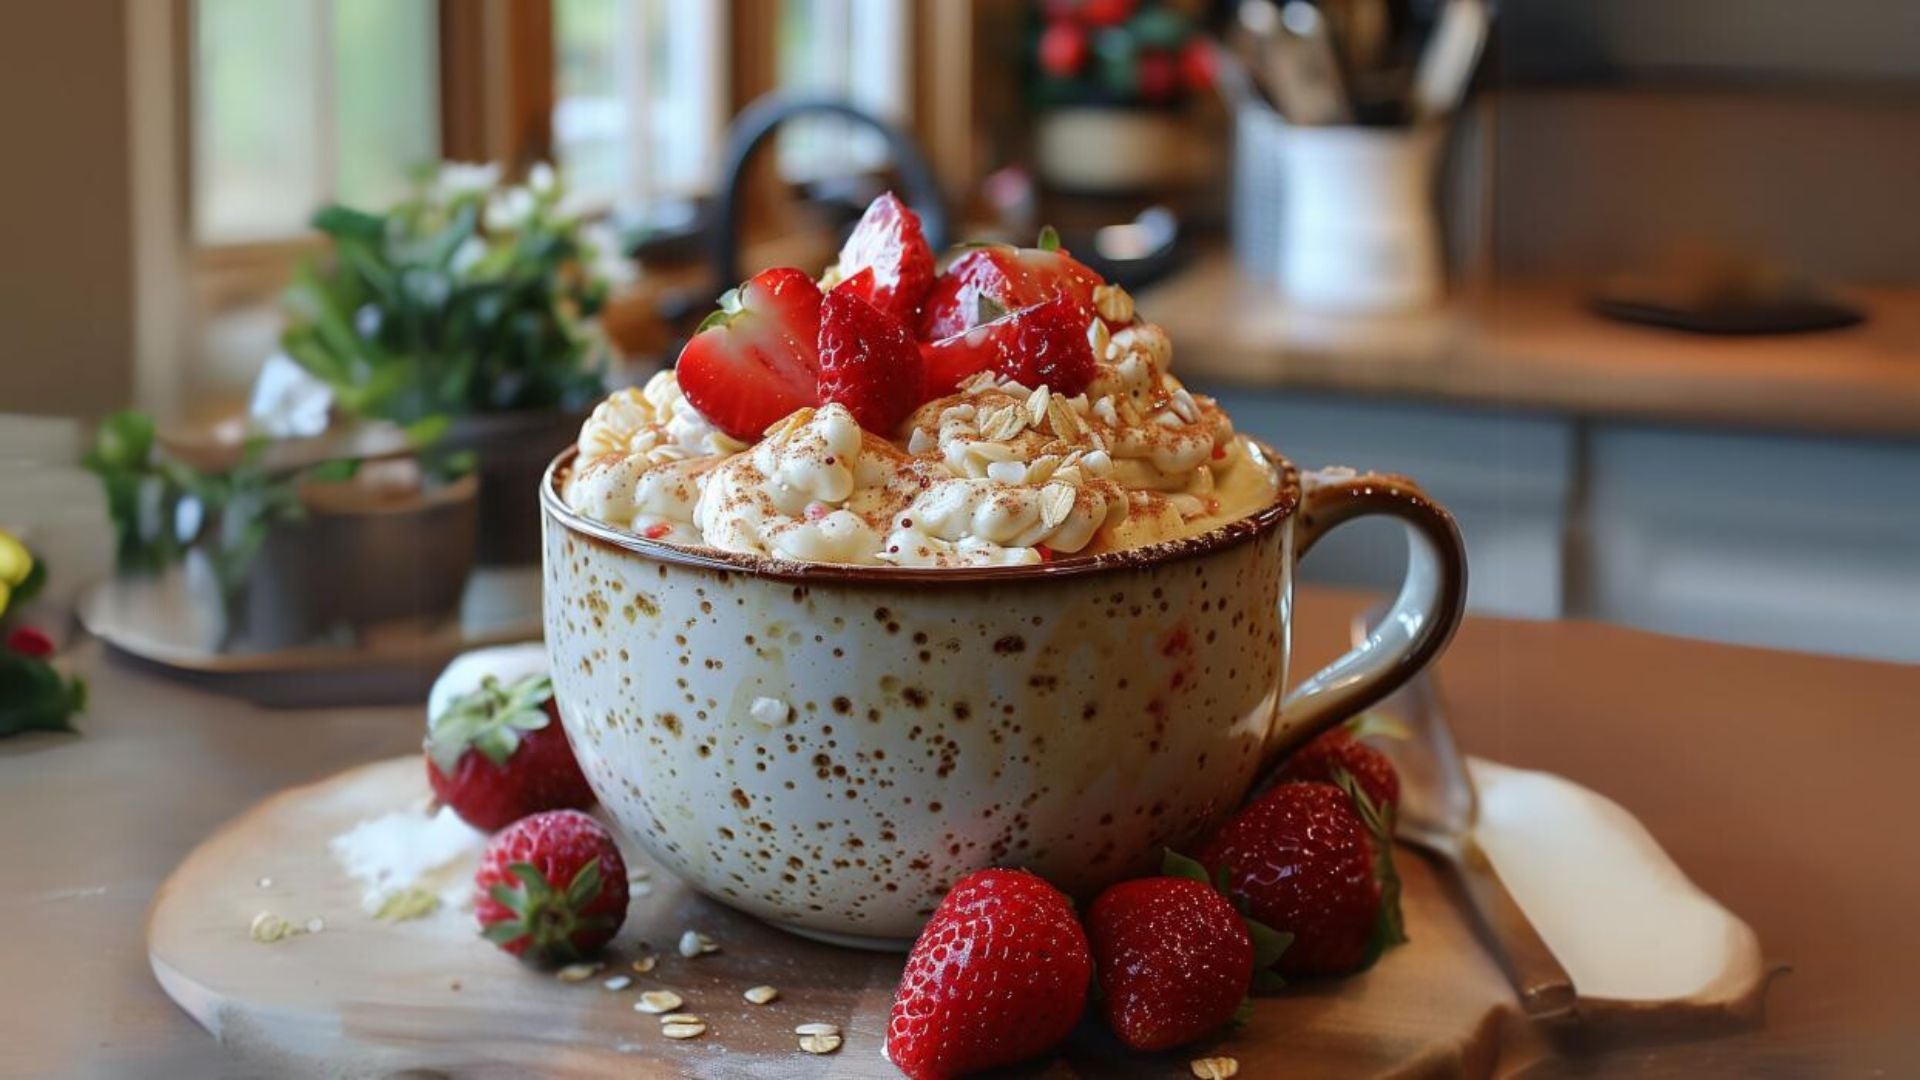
1423 618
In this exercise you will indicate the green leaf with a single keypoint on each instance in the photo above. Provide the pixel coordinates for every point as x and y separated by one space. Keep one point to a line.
124 441
1267 982
338 471
428 430
584 886
1174 864
501 933
1242 1014
986 309
529 875
1269 945
36 697
341 222
1389 927
1049 239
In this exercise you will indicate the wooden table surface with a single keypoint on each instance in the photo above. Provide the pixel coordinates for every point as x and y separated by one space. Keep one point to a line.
1778 781
1536 346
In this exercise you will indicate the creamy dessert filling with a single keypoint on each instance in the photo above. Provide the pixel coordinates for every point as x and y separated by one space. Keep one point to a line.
1008 409
995 474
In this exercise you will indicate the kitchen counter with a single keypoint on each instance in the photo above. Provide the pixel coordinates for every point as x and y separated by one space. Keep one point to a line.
1777 780
1536 347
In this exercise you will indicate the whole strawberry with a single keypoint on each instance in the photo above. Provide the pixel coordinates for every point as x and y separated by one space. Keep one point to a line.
551 888
998 975
499 753
1305 861
1174 958
1341 749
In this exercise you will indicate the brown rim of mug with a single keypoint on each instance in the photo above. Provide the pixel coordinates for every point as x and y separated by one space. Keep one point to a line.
1229 534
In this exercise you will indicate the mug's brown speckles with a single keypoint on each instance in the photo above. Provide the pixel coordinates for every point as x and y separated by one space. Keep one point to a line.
1010 644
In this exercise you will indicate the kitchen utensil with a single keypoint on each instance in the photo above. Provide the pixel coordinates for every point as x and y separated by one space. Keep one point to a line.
1446 66
1438 810
1302 69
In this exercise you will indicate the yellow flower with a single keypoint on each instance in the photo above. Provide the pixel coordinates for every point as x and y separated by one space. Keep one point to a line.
6 594
16 562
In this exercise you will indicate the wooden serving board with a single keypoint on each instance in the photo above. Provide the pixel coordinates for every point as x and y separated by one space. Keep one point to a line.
372 997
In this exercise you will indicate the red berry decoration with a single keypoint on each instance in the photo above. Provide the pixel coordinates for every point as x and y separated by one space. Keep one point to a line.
1174 958
1106 12
1315 861
755 360
500 753
998 975
552 888
1063 50
869 361
30 642
889 242
1198 65
1339 749
1159 76
986 282
1045 344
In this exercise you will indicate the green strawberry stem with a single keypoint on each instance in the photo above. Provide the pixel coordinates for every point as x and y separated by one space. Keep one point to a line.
490 719
547 918
1390 928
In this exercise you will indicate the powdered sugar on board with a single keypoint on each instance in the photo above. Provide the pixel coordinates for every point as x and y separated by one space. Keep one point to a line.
410 849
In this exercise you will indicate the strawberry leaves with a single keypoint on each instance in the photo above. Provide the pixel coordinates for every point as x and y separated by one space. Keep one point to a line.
547 917
1390 928
490 719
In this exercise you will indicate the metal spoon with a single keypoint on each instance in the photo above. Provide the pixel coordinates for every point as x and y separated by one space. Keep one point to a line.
1438 810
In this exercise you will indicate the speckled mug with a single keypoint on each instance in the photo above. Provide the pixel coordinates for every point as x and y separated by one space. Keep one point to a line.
830 747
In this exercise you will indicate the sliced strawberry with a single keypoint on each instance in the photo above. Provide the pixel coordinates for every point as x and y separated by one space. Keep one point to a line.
1042 344
889 242
869 361
755 360
984 283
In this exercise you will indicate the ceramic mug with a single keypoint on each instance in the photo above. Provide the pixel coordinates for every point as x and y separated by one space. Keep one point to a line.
829 748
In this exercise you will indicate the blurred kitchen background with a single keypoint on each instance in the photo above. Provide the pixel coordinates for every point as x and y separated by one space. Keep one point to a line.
1637 294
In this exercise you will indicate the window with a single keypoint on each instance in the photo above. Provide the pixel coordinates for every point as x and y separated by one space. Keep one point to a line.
856 49
300 102
639 100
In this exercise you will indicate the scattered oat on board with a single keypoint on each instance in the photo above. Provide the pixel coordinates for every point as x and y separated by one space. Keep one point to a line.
1214 1068
694 943
618 982
658 1001
817 1029
573 973
684 1031
645 964
820 1044
760 995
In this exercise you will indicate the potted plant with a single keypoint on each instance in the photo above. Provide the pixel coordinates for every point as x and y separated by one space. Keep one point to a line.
276 548
1114 83
470 300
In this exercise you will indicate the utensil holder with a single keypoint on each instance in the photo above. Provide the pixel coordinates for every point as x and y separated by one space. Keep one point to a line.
1342 218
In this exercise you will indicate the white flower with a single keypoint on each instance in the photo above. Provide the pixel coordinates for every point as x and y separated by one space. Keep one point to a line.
459 179
542 179
289 402
510 210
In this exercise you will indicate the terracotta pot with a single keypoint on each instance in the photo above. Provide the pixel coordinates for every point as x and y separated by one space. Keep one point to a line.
513 450
830 747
